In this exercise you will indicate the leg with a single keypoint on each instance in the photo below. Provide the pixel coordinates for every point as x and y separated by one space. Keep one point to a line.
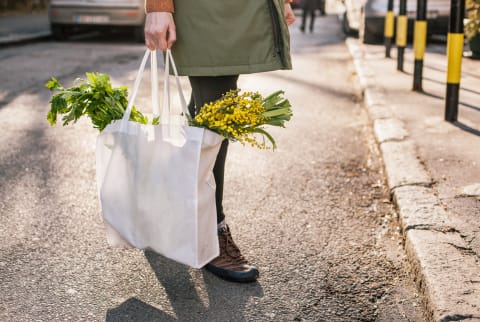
191 105
230 264
205 90
304 20
312 20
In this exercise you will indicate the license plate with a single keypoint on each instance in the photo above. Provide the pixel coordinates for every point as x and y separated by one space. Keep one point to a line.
91 19
430 14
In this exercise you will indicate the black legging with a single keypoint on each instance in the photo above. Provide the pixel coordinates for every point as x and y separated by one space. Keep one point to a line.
207 89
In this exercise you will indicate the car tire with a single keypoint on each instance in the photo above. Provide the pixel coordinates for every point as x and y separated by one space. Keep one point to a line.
59 32
139 34
366 36
349 32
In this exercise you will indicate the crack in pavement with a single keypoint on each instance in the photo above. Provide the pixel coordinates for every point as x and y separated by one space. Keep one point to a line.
441 229
413 184
464 250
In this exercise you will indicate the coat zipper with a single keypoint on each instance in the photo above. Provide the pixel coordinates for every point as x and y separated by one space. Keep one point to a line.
275 26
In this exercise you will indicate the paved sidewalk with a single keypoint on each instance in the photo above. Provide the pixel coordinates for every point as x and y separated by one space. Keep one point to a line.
433 170
23 27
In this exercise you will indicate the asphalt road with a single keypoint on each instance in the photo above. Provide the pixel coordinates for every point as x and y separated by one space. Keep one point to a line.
314 215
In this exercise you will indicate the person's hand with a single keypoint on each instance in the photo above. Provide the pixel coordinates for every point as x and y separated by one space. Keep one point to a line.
159 31
289 15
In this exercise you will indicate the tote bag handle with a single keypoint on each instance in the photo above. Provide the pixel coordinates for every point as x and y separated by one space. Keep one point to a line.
166 112
165 116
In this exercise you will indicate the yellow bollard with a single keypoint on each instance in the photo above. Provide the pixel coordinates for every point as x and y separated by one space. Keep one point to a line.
454 59
419 43
389 28
402 30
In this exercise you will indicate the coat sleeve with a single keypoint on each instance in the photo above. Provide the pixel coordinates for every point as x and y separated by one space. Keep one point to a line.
159 6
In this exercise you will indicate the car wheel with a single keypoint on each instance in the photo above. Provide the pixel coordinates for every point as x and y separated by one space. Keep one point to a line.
59 32
366 36
139 34
346 26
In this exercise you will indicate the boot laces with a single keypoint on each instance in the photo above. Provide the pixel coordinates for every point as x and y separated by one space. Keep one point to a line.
230 248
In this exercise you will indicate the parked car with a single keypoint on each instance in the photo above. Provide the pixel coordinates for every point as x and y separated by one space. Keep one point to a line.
367 17
66 15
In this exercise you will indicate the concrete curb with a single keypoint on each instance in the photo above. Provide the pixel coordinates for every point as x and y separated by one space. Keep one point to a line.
445 272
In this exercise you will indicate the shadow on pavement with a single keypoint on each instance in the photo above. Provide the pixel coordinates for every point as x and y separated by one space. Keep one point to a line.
442 82
466 128
458 124
473 107
325 88
313 47
444 70
193 295
136 310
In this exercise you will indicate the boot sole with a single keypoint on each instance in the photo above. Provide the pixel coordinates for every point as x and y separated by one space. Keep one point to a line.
239 277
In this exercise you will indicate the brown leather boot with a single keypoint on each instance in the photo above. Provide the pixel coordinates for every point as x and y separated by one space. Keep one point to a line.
230 264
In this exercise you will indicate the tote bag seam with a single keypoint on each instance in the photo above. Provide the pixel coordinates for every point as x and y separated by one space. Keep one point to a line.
199 154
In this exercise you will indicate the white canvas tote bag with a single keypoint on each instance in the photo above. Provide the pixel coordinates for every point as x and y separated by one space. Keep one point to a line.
155 182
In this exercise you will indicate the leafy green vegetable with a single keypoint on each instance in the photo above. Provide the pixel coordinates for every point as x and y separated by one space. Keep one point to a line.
94 97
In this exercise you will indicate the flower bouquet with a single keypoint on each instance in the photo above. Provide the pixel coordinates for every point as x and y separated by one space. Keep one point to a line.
237 116
240 116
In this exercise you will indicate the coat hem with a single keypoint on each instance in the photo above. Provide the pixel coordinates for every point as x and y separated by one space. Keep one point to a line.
230 70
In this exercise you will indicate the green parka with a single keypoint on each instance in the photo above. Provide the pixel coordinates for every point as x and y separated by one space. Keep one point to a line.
230 37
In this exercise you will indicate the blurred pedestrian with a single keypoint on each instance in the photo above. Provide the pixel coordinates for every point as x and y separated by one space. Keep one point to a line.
309 9
215 42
